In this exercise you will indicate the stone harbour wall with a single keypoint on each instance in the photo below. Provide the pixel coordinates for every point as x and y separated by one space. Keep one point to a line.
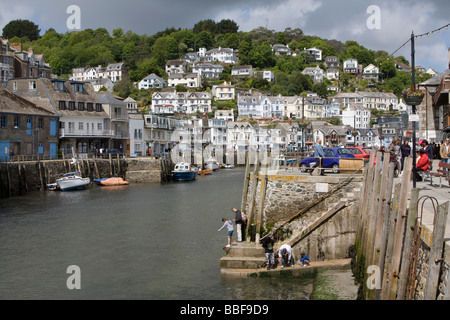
286 195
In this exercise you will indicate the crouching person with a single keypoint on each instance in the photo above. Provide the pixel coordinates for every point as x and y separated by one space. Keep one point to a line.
267 244
285 255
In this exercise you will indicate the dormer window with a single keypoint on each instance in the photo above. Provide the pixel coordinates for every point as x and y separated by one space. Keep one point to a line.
78 87
58 85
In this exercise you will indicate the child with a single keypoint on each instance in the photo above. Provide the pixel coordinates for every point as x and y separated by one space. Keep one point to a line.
267 244
304 260
229 225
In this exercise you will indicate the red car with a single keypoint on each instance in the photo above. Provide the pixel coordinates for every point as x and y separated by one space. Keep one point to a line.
360 152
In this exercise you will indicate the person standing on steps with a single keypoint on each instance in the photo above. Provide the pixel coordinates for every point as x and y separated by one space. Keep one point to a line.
239 223
267 244
229 225
318 154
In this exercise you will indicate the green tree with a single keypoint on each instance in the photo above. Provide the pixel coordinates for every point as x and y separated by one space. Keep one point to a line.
21 28
205 39
205 25
227 26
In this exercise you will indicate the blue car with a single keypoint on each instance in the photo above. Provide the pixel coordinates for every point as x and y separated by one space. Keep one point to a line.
330 160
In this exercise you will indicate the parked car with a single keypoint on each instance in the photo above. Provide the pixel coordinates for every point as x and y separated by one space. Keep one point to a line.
113 152
360 152
330 160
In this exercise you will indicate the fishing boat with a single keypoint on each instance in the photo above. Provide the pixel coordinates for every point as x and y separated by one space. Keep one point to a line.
212 164
183 171
72 181
114 181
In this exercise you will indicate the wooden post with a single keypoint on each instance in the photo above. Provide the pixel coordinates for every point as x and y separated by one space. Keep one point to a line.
96 168
386 271
436 251
110 166
260 213
386 221
250 217
407 249
246 182
400 228
373 211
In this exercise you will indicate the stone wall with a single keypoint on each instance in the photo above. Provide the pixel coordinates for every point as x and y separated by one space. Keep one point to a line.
286 195
18 179
422 267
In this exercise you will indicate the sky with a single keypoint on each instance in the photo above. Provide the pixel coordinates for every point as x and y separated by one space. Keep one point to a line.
376 24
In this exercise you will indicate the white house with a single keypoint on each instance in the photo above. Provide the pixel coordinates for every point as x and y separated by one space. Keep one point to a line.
224 91
223 55
131 104
176 67
152 81
182 102
356 118
189 80
242 71
314 53
137 138
281 50
227 115
116 71
316 73
352 66
268 75
208 70
371 72
332 74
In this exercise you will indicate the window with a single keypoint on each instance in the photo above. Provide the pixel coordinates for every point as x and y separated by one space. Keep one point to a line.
58 85
90 106
62 105
99 126
41 123
32 85
17 122
98 107
78 87
71 105
80 106
80 125
14 86
3 121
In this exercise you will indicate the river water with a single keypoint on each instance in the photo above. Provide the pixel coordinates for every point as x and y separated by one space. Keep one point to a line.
130 242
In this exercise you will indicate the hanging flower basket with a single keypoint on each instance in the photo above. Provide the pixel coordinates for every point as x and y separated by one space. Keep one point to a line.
413 97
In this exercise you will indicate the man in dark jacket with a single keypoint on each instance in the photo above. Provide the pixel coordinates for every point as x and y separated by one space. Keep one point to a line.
239 223
405 149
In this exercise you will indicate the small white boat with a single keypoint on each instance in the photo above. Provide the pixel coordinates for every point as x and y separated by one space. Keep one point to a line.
228 166
184 172
212 164
72 181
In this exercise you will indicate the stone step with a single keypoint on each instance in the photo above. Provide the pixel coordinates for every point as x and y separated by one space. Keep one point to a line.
241 262
244 249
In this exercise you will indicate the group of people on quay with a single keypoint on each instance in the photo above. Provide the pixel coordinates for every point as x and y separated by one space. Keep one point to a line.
285 252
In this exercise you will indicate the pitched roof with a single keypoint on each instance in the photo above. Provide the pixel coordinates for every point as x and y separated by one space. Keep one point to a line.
12 103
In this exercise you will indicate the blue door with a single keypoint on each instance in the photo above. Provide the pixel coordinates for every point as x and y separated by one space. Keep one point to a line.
29 126
53 128
53 150
4 150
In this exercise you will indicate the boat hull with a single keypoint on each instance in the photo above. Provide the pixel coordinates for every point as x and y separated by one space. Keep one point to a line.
72 183
183 176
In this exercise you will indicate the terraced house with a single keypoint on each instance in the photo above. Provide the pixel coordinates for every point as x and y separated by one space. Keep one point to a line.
26 129
181 102
83 124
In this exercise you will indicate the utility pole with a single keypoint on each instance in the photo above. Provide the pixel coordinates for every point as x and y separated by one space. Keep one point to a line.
413 78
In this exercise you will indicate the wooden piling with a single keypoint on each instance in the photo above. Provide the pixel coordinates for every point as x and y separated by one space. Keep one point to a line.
246 183
435 258
408 245
400 228
252 200
386 271
260 212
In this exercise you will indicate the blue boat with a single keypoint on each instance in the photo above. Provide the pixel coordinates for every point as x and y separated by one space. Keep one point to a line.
184 172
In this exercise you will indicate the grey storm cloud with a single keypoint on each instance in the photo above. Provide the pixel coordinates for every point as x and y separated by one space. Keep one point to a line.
331 19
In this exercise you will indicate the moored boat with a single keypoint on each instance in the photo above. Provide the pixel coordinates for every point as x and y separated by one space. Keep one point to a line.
212 164
184 172
114 181
72 181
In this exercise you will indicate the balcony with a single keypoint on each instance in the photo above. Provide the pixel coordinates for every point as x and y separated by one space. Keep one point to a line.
72 133
118 134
